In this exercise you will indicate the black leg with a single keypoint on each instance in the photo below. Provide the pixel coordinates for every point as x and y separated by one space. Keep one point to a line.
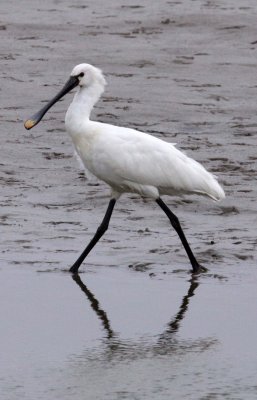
176 225
99 233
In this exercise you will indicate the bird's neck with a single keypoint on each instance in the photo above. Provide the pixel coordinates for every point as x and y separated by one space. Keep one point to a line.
83 102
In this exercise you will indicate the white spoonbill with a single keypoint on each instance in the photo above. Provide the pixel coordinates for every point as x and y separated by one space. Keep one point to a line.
126 159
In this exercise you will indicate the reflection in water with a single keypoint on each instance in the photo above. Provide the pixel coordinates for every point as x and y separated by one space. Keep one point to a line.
166 343
94 303
174 324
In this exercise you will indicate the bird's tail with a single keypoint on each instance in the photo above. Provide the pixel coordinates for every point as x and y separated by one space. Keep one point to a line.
203 182
208 185
213 189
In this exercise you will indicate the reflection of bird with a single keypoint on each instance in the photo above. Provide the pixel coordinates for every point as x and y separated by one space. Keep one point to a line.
172 327
95 305
126 159
174 324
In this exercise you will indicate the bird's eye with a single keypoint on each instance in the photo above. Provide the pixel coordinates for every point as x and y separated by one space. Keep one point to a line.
81 74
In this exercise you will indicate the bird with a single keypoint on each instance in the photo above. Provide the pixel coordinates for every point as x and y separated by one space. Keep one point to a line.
128 160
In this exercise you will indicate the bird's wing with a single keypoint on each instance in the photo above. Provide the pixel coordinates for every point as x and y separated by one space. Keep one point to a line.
128 155
141 158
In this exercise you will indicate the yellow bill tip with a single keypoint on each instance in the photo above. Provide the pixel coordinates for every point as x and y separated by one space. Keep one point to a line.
29 123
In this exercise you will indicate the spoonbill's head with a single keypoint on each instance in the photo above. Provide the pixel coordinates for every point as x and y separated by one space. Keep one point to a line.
83 75
88 75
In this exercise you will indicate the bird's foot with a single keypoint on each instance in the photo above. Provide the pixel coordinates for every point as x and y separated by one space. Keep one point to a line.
74 269
198 269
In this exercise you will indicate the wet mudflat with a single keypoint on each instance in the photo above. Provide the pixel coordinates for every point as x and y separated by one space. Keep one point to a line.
135 325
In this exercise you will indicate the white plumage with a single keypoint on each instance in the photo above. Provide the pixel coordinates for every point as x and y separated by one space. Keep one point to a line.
126 159
132 161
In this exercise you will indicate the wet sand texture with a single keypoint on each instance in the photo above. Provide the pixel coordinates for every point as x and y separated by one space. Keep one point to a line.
184 71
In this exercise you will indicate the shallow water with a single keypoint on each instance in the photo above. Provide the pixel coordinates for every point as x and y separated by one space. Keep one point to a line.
115 333
136 325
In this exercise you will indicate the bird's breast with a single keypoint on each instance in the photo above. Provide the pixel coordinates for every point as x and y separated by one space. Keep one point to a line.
84 148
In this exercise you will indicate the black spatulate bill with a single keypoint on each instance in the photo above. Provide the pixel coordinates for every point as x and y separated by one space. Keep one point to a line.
36 118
